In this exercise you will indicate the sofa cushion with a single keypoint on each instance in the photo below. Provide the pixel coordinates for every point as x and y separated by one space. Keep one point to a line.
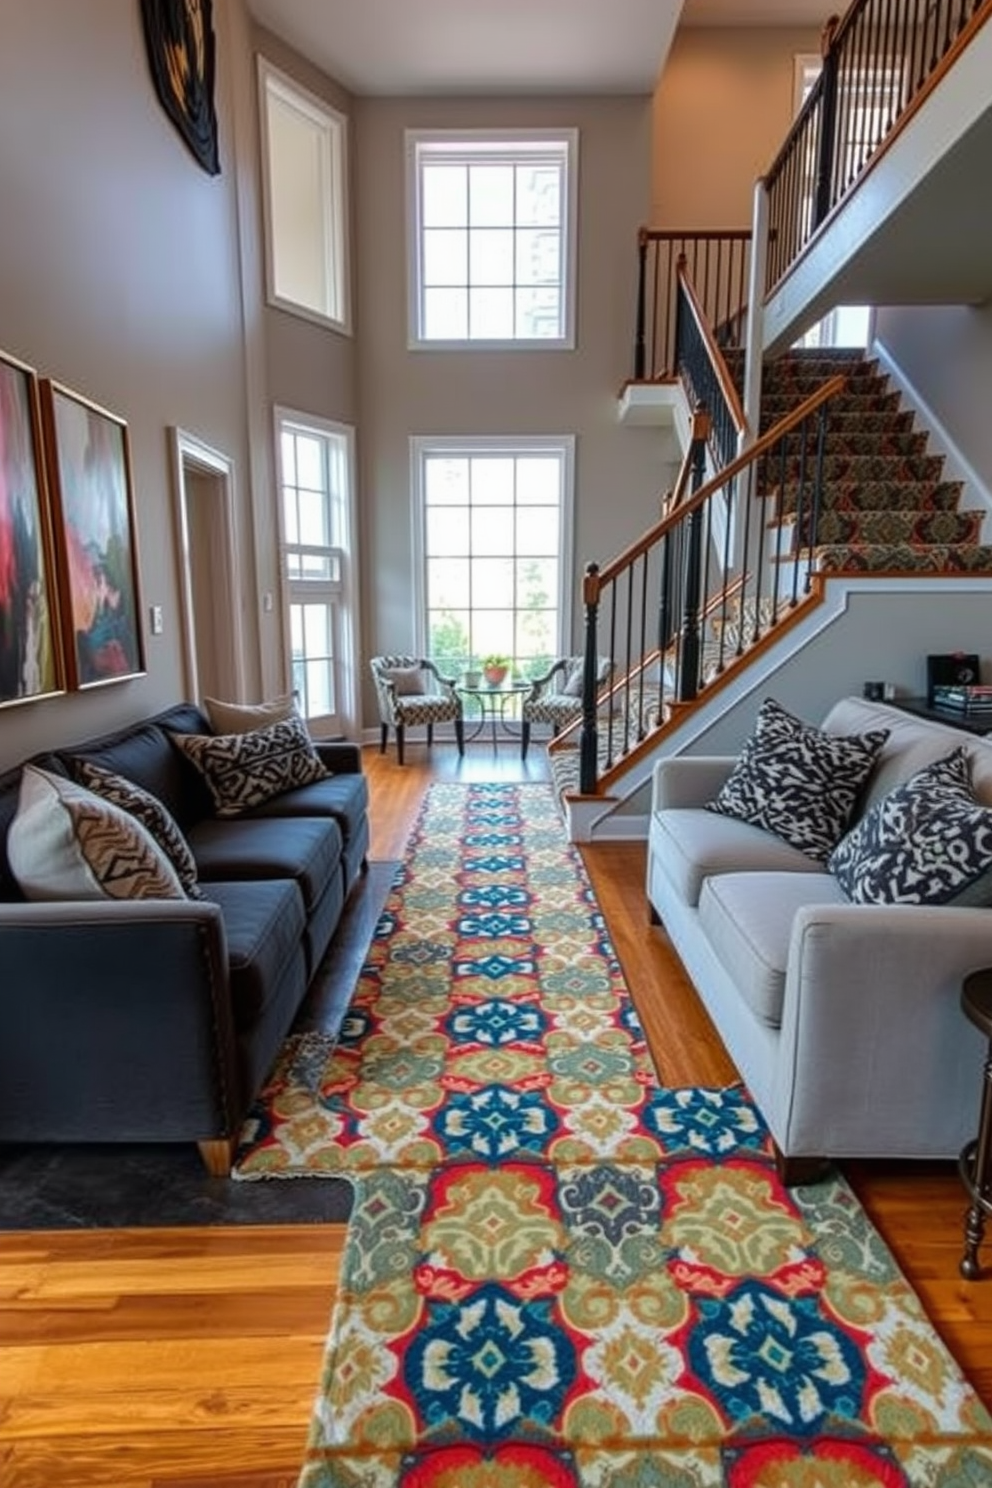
798 781
241 718
149 811
929 841
407 681
243 770
747 919
67 843
692 843
302 848
143 754
264 923
344 797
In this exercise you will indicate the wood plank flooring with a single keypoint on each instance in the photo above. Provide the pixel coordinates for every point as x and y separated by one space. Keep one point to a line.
189 1358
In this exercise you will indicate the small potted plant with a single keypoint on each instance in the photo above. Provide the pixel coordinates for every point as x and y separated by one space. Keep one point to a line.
495 668
472 676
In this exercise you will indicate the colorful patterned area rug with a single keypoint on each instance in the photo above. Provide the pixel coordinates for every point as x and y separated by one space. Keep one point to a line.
558 1272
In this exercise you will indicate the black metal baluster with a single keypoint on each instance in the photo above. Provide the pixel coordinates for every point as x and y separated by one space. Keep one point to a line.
588 743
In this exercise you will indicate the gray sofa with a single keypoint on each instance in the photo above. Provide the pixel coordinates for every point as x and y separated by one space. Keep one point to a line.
158 1020
843 1019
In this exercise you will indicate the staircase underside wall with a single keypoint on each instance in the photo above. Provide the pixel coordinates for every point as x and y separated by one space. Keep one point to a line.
865 630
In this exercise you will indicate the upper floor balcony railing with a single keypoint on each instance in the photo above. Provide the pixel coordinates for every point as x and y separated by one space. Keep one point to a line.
878 61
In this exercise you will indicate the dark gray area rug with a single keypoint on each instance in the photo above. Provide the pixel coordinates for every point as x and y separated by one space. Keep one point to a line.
44 1186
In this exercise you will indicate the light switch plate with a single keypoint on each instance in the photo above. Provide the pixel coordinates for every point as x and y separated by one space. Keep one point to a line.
156 619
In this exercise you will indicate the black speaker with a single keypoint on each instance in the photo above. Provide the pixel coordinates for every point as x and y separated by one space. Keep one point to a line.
959 669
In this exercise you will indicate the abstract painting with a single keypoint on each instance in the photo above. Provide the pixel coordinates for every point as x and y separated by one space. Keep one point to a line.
90 468
30 642
179 38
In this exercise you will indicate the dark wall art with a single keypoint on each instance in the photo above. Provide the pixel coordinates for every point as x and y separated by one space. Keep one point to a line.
89 464
30 641
179 37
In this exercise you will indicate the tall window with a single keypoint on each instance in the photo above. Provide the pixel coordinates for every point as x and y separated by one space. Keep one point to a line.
317 524
304 177
494 550
493 224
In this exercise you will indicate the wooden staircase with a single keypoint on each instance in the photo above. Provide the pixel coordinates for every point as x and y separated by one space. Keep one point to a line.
883 508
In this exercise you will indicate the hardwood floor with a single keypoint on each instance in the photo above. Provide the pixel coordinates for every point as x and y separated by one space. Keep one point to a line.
190 1358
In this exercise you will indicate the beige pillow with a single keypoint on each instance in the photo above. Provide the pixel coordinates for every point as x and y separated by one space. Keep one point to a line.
66 843
407 681
244 770
241 718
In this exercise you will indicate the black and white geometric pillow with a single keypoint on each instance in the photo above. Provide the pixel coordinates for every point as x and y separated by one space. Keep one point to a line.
150 811
929 841
243 770
797 781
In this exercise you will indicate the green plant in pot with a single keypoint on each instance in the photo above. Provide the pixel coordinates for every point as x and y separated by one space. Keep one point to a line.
495 668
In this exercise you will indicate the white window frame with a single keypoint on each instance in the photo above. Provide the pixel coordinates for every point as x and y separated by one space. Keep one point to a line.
333 129
422 446
508 145
344 588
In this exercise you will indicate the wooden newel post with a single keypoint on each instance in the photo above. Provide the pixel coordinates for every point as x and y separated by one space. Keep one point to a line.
689 668
828 120
589 738
640 342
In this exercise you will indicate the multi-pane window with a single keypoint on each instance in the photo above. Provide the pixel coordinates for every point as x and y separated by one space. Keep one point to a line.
304 175
494 551
493 237
315 478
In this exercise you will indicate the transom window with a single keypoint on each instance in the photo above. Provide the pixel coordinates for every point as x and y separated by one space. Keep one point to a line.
493 237
494 551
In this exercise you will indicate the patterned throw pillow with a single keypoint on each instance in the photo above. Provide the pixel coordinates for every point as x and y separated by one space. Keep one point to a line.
150 812
797 781
407 681
66 843
241 718
243 770
927 842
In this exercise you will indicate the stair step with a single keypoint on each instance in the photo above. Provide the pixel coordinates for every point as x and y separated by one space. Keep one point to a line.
848 469
904 558
849 496
894 528
775 406
856 439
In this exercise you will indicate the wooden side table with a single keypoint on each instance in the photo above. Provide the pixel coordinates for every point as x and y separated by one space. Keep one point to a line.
975 1162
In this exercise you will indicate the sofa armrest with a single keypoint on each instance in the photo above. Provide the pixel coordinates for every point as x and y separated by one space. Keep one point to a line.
340 757
873 1038
689 779
117 1022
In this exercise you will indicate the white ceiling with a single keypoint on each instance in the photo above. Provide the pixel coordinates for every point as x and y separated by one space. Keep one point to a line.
394 47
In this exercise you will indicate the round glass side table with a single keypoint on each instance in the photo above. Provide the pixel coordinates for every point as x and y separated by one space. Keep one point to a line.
975 1162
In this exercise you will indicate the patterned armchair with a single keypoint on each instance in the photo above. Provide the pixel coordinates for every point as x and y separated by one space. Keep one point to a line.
556 698
411 690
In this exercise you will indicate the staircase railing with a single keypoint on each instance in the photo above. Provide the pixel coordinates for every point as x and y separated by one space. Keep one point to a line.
703 372
702 586
878 61
719 263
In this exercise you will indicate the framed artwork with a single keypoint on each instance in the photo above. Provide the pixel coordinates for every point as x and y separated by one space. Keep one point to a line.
89 464
179 40
31 657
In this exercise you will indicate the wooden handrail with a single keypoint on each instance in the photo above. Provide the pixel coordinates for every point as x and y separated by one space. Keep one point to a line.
705 234
597 578
727 388
676 495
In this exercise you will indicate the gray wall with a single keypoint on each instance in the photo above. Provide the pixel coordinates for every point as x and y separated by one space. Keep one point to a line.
620 472
945 352
119 276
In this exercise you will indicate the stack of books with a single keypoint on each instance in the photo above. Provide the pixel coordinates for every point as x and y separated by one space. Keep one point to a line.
973 702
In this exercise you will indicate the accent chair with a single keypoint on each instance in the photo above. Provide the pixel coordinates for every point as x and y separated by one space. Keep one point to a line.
411 691
556 697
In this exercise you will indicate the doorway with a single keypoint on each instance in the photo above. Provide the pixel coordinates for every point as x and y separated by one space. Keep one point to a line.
210 591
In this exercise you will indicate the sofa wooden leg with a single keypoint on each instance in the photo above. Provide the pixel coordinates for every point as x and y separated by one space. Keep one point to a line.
399 743
430 735
383 737
460 735
654 918
524 738
796 1171
218 1156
